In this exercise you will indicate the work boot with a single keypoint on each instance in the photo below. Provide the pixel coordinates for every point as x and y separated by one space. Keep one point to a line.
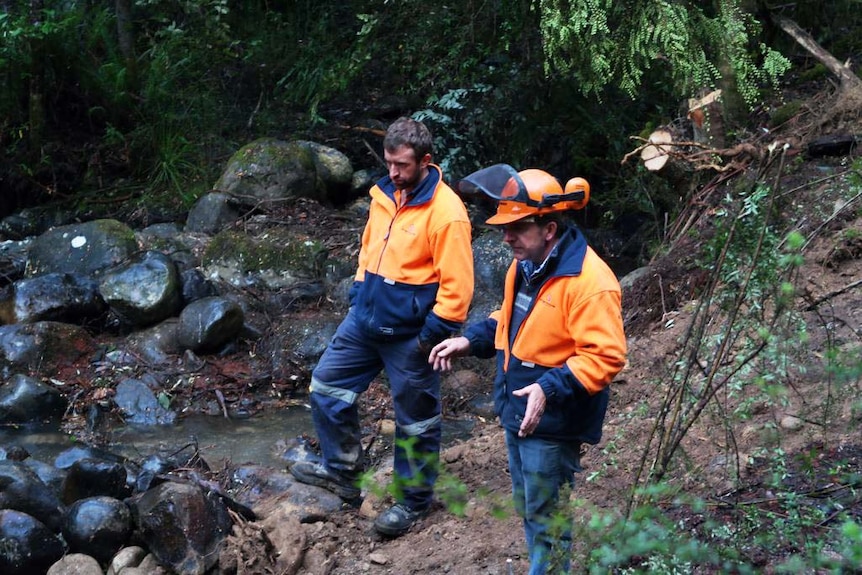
397 520
321 476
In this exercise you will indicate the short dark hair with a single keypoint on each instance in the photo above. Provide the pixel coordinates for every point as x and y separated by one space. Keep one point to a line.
556 217
411 133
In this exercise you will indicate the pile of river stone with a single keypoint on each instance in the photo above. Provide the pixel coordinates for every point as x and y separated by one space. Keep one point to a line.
91 508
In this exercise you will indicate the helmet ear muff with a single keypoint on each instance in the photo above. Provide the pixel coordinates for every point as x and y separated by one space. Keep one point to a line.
577 186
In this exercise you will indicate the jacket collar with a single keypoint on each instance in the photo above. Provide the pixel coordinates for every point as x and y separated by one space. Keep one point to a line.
566 259
421 193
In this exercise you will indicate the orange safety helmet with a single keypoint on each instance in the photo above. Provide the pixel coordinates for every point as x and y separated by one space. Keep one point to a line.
527 193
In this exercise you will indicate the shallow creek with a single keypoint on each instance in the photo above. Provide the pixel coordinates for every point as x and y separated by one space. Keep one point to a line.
257 440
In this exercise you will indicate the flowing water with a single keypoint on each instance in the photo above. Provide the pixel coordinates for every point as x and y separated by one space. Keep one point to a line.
257 440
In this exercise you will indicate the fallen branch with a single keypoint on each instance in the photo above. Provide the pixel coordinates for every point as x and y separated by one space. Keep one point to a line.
816 303
842 71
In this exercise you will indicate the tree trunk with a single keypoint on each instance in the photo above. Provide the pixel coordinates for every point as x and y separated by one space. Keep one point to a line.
848 79
36 98
126 39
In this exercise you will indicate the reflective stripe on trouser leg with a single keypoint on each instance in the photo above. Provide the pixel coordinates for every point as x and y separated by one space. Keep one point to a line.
337 425
344 372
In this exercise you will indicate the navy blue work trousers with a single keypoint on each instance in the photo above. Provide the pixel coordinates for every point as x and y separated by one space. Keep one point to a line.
348 366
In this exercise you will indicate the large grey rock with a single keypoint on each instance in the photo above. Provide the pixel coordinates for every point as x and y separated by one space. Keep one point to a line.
28 545
212 213
334 172
279 258
63 297
25 399
22 490
98 526
184 527
86 249
143 291
140 405
208 324
268 171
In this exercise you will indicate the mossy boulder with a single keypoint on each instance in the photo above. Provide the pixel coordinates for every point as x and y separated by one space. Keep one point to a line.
88 248
276 259
269 171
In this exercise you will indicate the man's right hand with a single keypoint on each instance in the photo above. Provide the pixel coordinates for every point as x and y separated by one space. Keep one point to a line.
443 353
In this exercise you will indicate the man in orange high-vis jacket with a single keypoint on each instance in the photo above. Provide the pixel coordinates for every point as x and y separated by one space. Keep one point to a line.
412 289
559 341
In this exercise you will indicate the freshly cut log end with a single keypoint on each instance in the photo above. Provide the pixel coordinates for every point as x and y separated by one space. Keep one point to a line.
655 155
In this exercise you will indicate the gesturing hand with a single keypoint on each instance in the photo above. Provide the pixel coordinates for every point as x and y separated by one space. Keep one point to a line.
442 354
535 408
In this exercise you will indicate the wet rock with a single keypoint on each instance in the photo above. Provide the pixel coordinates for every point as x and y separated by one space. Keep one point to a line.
75 564
63 297
208 324
25 399
28 546
94 477
183 527
155 345
144 291
87 248
212 212
155 467
266 490
50 475
42 346
13 259
334 172
98 526
22 490
195 286
297 449
13 453
67 458
140 405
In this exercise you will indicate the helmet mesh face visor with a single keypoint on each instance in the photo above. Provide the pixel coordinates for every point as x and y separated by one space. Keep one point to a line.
499 182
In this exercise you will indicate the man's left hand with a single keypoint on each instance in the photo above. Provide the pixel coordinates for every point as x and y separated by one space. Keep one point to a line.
535 407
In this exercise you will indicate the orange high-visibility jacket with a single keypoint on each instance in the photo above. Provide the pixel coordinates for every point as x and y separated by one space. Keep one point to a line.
415 274
571 342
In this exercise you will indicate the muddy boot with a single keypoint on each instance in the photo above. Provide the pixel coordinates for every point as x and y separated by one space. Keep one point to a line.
321 476
397 520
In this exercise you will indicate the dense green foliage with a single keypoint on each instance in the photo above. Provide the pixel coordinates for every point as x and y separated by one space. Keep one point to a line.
602 42
157 94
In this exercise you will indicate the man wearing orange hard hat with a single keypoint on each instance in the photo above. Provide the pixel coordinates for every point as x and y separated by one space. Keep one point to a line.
558 339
